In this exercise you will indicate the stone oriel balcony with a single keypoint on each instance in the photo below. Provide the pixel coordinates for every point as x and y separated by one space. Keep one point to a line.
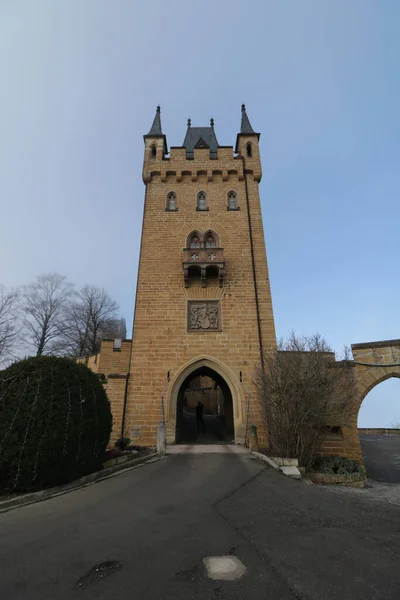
201 260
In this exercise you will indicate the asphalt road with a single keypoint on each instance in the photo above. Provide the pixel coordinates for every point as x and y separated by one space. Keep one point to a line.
213 433
382 457
159 521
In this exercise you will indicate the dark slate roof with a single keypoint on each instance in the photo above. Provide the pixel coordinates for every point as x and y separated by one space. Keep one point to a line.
156 127
200 137
156 130
201 144
245 126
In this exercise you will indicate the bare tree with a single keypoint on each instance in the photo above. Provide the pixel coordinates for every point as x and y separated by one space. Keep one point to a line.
305 391
90 318
43 305
9 328
74 336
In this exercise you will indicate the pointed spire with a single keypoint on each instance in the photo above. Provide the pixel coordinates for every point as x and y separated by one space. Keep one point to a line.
245 126
156 130
156 127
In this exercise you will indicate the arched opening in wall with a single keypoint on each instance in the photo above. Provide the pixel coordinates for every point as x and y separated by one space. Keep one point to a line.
171 201
212 273
194 240
204 412
153 151
232 200
211 240
249 150
202 201
194 276
379 430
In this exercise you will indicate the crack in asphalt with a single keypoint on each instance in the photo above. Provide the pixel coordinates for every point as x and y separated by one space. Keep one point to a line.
263 554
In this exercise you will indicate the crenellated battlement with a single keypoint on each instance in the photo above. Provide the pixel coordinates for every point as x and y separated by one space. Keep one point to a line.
177 168
201 154
197 170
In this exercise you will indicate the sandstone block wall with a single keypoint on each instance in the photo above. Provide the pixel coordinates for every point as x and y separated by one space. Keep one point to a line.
379 361
114 366
161 342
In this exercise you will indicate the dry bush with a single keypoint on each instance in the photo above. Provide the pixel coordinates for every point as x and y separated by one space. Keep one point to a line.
304 390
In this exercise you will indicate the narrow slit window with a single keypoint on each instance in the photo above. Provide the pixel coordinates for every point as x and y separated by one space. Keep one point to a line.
153 152
249 151
232 202
171 201
202 201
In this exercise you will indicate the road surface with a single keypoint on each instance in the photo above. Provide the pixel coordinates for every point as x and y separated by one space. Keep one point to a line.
154 525
382 457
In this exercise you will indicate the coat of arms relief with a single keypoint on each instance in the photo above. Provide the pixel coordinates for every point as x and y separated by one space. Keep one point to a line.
203 316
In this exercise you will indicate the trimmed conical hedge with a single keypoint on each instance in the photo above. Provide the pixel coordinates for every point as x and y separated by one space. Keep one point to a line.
55 423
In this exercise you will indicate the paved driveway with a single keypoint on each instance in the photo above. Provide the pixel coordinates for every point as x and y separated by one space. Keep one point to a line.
162 519
382 457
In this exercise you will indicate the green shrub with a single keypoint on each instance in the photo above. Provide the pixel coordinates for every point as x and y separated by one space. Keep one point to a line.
55 423
337 465
123 443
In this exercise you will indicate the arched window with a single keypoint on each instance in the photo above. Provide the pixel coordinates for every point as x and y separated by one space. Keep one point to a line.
209 241
153 151
248 150
171 201
232 200
194 241
201 201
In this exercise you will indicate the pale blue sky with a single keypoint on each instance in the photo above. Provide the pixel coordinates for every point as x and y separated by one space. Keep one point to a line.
321 81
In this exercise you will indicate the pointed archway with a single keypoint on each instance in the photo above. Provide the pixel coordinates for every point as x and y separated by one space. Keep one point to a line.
223 404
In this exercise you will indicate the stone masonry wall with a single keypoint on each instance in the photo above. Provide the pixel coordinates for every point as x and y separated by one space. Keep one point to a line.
114 365
380 361
161 342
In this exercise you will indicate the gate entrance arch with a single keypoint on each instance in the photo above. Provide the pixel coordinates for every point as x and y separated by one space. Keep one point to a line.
223 405
375 362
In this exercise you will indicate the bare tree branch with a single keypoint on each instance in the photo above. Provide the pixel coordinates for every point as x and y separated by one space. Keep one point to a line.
9 329
89 319
44 304
305 391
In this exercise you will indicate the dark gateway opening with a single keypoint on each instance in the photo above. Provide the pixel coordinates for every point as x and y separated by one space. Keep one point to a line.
204 411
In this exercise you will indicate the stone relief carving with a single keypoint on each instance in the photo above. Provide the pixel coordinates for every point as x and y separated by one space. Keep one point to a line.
203 315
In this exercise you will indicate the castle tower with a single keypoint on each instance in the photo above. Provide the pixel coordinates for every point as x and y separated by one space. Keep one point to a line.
203 308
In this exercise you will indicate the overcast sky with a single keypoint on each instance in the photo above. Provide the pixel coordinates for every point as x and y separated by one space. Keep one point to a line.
321 81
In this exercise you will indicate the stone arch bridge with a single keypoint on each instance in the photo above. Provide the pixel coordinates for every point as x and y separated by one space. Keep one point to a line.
374 362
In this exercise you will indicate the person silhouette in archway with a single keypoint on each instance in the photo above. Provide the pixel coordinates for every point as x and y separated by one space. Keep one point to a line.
199 416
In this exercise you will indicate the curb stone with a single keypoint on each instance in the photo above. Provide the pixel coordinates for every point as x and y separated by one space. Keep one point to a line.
291 472
357 480
266 459
286 462
288 471
85 481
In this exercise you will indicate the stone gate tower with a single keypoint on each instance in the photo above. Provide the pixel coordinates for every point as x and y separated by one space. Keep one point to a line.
203 304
